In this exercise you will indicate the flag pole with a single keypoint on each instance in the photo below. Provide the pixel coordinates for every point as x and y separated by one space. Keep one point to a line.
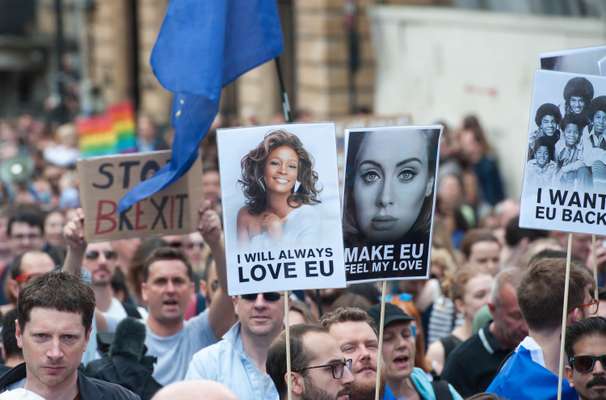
380 350
594 263
287 332
287 118
564 317
283 95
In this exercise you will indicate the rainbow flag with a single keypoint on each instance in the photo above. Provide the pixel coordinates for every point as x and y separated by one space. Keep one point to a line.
110 133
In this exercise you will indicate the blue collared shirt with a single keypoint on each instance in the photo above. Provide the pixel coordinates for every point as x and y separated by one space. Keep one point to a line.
227 363
422 384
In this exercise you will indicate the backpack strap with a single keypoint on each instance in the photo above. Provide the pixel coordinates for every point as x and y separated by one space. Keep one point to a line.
131 310
441 390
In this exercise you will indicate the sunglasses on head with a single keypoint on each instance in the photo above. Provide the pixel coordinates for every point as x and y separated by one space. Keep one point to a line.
267 296
94 254
585 364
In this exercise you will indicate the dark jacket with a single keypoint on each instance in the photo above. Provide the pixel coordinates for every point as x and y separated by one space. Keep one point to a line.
134 375
88 388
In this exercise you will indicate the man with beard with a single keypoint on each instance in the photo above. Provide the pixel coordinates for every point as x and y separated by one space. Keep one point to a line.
356 335
319 369
100 260
402 379
166 289
586 350
473 364
238 361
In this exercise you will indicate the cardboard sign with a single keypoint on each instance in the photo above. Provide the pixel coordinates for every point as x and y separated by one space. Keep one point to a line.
565 174
586 61
281 208
388 202
103 182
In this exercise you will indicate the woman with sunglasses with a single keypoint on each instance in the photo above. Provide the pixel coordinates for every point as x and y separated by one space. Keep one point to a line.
280 186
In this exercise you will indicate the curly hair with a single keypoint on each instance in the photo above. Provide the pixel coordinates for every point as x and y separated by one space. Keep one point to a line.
253 168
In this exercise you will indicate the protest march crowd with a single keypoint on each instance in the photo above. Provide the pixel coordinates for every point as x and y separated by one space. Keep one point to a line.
151 317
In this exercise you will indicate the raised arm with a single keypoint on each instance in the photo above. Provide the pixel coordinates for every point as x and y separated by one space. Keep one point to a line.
73 232
221 312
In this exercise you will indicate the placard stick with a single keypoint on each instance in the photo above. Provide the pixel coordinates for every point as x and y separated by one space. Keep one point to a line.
594 263
564 317
380 350
287 332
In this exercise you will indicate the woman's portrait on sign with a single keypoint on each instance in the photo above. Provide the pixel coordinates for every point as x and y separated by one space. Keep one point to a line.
281 188
281 207
389 185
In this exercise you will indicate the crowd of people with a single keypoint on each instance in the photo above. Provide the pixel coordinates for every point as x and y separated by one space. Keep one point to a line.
151 317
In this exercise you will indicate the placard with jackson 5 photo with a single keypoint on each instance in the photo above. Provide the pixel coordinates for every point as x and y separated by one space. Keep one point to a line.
388 201
565 173
281 209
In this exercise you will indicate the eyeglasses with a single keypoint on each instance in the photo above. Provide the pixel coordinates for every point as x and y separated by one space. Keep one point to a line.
336 368
175 244
94 254
592 306
267 296
585 364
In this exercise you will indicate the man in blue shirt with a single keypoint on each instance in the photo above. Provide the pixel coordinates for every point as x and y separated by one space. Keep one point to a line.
238 361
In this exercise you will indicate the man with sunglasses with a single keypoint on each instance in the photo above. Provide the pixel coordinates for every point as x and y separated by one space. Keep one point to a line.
586 350
167 288
319 370
100 260
238 361
532 370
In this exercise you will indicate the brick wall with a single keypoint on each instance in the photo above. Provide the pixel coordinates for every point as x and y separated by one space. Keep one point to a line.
110 53
322 58
155 100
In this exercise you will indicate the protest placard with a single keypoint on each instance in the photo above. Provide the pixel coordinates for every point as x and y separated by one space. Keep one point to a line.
565 175
388 203
281 208
104 180
585 61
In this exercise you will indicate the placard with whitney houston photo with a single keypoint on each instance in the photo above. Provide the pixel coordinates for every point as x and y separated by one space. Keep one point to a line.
281 210
388 202
565 173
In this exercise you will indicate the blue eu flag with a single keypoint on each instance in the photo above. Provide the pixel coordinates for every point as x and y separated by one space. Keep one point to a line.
202 46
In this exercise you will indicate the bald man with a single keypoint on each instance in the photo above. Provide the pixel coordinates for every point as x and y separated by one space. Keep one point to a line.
191 390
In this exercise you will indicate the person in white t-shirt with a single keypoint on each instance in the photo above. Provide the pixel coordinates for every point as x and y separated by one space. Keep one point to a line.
100 260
